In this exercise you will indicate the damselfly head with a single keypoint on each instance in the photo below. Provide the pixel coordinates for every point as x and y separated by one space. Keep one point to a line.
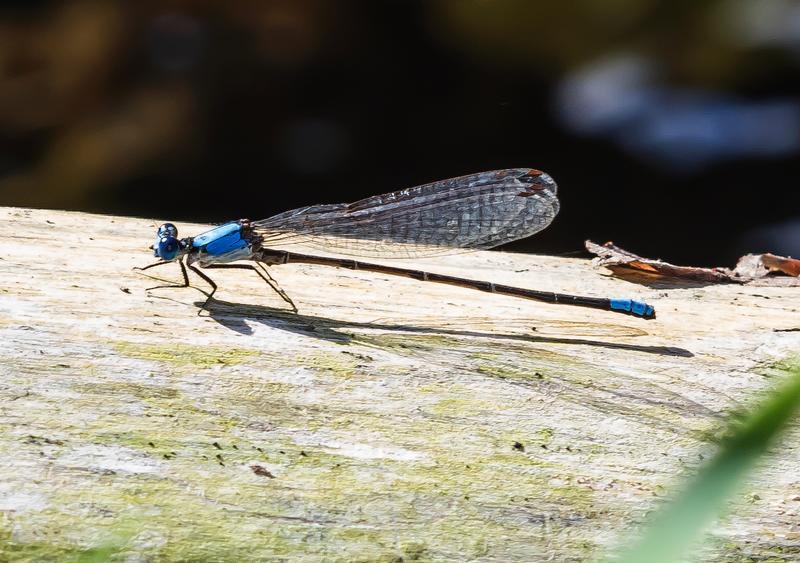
167 246
167 230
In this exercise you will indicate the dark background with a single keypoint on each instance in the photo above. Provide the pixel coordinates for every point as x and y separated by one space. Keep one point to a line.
672 128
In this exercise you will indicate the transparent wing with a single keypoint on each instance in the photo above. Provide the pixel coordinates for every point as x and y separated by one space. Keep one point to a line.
469 212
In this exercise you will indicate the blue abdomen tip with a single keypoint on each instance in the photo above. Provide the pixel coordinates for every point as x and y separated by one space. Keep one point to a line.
633 307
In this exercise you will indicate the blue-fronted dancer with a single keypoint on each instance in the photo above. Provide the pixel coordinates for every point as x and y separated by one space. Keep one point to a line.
477 211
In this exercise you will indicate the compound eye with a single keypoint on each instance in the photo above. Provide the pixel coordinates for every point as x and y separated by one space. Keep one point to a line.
167 230
168 248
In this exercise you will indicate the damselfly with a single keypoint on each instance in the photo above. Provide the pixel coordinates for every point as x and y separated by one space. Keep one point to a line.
477 211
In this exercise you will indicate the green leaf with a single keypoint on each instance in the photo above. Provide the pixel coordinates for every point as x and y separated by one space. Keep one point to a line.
678 526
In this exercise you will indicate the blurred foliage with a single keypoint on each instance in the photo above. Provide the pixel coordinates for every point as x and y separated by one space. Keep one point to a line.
128 106
104 89
700 44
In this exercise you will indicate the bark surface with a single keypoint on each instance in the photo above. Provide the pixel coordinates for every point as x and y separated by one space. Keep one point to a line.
389 419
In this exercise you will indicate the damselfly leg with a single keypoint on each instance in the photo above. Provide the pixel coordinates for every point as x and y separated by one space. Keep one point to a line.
264 274
258 268
183 273
185 283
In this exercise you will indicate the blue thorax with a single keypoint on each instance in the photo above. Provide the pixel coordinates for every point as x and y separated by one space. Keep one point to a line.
225 243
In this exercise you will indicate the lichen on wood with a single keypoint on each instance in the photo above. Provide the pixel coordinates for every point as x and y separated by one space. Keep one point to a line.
389 419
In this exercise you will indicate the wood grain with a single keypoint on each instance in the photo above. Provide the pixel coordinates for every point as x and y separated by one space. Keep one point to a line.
389 419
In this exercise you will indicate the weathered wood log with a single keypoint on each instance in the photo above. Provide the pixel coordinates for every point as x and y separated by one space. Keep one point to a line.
388 419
